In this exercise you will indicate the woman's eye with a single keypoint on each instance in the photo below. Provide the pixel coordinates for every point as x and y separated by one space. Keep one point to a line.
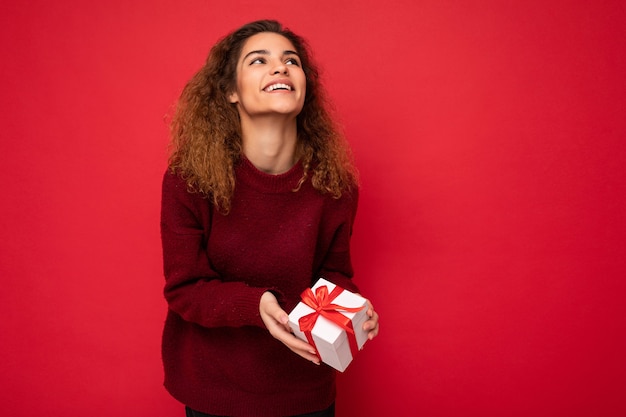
292 61
257 61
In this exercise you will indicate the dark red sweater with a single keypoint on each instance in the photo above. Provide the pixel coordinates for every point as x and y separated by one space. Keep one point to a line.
218 356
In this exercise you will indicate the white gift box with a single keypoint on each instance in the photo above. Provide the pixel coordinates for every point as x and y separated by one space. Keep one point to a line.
331 340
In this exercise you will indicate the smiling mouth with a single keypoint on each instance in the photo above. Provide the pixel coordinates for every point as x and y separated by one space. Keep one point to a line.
278 86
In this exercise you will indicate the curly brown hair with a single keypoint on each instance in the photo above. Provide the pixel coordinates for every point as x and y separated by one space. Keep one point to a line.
206 139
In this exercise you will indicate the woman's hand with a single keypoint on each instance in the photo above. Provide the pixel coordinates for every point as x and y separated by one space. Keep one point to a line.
371 325
276 321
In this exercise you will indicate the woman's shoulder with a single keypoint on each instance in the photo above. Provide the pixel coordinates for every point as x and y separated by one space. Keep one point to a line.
179 200
176 187
343 205
170 176
174 182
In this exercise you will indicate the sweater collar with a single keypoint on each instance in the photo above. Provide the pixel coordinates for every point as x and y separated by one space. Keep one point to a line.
261 181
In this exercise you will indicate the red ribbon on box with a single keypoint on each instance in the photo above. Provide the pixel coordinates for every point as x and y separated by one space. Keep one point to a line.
321 302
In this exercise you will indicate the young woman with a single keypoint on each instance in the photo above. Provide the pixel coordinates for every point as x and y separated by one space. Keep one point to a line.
258 202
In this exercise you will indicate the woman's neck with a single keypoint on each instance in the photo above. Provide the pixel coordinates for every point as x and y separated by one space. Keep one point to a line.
270 144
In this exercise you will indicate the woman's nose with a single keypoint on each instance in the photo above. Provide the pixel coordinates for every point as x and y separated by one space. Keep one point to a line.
280 68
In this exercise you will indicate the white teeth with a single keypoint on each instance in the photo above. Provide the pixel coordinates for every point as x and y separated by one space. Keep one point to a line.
278 87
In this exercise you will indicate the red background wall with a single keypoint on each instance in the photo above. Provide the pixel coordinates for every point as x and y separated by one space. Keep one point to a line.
490 136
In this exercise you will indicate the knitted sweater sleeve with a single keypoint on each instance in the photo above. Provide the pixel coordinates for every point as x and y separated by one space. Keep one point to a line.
193 290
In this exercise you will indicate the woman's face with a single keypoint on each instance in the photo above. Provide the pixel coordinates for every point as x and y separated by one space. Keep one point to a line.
270 79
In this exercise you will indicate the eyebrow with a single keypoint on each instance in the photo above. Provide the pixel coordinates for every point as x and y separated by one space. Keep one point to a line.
266 52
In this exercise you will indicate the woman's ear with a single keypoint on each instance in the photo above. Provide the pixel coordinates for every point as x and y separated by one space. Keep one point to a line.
233 97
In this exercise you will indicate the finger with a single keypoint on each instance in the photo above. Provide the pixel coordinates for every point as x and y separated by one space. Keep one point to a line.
371 334
275 311
281 318
277 314
293 343
372 326
280 315
278 330
371 322
370 308
300 347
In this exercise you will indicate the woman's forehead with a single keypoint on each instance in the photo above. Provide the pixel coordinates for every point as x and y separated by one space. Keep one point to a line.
267 41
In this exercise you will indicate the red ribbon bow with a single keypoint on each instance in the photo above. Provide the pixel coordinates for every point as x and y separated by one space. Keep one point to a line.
321 302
